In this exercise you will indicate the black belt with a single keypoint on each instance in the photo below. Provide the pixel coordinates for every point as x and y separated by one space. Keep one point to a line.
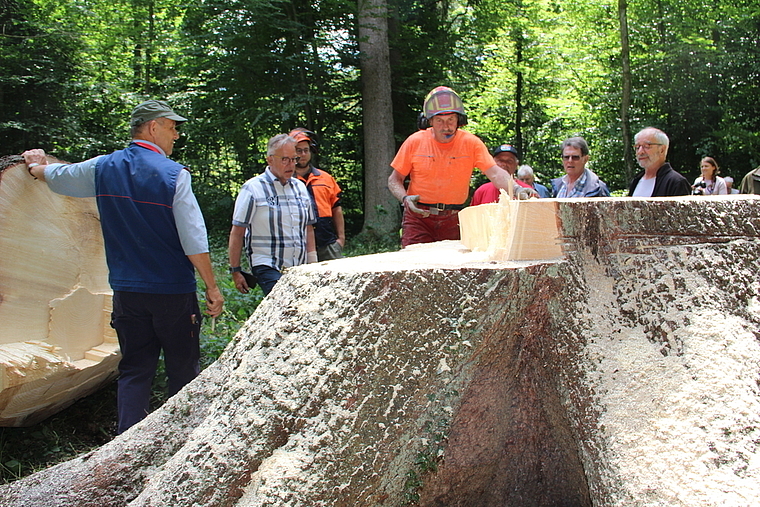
443 207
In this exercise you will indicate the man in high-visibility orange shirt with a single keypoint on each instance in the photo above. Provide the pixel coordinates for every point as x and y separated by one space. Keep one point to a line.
330 229
439 160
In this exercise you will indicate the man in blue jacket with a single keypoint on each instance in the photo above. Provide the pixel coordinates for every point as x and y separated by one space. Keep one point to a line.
155 238
578 181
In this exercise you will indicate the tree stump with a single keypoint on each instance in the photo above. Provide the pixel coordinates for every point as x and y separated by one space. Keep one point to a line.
56 342
622 373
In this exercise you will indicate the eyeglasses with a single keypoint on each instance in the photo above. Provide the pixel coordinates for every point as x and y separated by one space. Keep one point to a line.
288 160
571 157
645 146
303 151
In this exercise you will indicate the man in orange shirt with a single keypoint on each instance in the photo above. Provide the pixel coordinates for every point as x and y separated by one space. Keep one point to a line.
330 229
439 160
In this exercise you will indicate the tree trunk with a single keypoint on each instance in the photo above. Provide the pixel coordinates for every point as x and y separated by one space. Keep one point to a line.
625 102
381 209
622 373
519 77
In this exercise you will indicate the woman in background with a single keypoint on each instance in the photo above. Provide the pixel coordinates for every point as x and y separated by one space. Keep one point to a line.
709 183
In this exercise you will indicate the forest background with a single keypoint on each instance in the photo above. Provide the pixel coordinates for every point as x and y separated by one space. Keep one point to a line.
531 73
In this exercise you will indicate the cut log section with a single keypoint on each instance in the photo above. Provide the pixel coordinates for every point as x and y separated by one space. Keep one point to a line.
624 373
513 230
56 342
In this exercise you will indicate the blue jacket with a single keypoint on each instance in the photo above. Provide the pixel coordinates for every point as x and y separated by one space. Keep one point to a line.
135 190
594 187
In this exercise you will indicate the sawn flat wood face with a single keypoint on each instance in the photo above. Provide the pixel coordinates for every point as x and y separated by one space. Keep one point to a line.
56 342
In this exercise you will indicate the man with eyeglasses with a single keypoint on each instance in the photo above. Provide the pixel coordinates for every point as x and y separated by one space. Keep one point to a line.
578 181
330 229
658 179
272 220
155 239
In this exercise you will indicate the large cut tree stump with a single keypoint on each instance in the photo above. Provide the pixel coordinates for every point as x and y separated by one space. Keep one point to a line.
622 373
56 343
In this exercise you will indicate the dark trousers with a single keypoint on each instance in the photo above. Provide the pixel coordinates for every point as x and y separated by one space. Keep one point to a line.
145 325
266 277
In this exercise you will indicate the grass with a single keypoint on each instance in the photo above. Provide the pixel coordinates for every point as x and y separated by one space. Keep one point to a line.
91 421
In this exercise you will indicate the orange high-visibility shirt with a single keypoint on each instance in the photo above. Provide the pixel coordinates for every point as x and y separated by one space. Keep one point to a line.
440 172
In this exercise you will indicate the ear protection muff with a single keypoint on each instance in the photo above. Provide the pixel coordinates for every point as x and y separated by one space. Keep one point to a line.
423 122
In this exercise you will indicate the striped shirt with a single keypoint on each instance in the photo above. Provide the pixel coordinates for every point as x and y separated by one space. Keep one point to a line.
275 217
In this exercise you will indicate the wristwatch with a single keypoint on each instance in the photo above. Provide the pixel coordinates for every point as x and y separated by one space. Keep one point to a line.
236 269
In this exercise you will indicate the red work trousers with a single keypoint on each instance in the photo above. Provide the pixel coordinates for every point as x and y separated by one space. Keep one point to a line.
418 229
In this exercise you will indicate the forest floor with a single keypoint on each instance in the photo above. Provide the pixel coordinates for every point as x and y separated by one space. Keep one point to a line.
85 425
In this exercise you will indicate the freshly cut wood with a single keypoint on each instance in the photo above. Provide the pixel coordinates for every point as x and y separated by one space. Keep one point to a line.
623 373
56 342
513 230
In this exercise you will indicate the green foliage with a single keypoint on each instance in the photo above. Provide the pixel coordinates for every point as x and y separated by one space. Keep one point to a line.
243 70
427 459
367 243
38 78
531 73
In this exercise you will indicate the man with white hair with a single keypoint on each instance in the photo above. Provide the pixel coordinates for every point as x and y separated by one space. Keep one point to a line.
526 175
658 179
272 220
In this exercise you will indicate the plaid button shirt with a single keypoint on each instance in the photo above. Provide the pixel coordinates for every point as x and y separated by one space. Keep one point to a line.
275 217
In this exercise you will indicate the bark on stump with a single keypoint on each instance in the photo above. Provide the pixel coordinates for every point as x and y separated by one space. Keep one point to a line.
623 373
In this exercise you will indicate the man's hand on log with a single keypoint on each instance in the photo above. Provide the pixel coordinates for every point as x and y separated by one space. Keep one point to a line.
523 193
35 156
35 161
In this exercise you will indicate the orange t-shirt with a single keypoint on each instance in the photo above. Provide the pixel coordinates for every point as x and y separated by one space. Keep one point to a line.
440 172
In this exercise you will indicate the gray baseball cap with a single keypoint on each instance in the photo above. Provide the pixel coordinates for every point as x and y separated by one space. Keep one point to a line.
152 109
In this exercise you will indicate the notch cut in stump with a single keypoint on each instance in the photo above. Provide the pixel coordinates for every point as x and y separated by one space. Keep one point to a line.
56 342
